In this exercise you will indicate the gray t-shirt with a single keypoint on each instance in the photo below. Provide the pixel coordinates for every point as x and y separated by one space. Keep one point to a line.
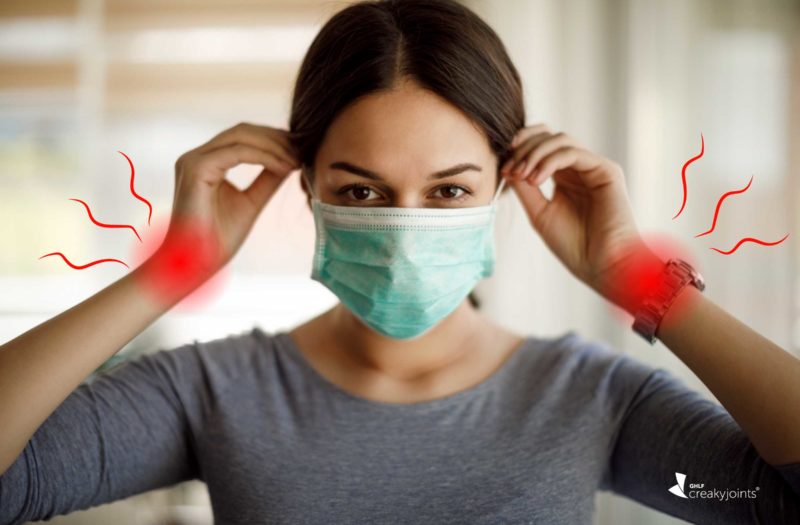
276 442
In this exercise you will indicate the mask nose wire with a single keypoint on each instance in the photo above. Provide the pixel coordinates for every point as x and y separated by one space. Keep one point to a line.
499 189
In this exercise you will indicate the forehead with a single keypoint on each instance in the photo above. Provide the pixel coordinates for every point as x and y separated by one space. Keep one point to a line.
407 125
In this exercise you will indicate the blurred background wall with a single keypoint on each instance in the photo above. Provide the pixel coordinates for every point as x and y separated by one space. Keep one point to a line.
637 81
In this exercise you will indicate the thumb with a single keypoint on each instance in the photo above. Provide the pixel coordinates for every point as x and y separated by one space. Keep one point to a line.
264 187
533 200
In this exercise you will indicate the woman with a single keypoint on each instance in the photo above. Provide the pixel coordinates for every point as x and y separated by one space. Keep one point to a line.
403 403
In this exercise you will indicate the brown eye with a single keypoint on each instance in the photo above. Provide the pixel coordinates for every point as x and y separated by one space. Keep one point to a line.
452 192
357 192
361 192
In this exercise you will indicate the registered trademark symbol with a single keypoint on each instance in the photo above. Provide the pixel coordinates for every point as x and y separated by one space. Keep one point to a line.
758 488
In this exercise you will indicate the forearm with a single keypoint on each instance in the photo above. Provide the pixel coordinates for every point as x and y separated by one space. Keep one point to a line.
754 379
41 367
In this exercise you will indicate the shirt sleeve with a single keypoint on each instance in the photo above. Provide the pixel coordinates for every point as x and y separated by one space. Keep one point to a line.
673 442
124 433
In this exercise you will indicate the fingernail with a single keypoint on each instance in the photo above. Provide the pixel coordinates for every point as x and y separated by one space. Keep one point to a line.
521 167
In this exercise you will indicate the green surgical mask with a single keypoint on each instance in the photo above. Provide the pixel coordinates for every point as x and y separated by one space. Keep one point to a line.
402 270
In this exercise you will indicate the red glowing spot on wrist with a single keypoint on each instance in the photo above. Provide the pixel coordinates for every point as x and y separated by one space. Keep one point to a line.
180 262
640 272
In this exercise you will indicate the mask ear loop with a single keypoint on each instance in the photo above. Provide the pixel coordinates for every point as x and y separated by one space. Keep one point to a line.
308 184
499 189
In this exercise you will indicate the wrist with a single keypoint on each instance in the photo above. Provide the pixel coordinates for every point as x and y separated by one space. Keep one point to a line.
685 301
676 276
187 258
631 279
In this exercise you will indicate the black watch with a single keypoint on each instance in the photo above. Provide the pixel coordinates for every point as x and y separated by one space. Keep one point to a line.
677 274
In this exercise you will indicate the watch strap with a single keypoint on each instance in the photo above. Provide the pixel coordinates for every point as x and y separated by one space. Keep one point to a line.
677 273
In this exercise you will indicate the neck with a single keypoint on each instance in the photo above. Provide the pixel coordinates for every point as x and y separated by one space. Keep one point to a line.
405 360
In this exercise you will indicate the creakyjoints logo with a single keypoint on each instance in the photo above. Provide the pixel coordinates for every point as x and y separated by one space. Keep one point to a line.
699 491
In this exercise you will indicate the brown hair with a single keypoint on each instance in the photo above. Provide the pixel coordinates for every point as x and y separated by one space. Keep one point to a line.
439 44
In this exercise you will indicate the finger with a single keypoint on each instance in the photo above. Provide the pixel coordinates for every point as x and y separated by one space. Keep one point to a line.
282 136
529 131
213 166
263 188
264 137
228 136
542 150
521 136
567 179
559 159
533 201
514 164
583 162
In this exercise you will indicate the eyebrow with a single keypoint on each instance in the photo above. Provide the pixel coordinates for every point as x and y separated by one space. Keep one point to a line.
449 172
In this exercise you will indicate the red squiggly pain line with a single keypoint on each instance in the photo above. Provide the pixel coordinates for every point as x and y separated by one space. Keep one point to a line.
83 266
133 191
750 239
683 172
104 225
719 204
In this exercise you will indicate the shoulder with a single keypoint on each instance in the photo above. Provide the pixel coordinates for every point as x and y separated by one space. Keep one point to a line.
581 357
572 367
208 365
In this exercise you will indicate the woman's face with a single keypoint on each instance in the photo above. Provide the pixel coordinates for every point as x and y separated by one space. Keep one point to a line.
405 148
